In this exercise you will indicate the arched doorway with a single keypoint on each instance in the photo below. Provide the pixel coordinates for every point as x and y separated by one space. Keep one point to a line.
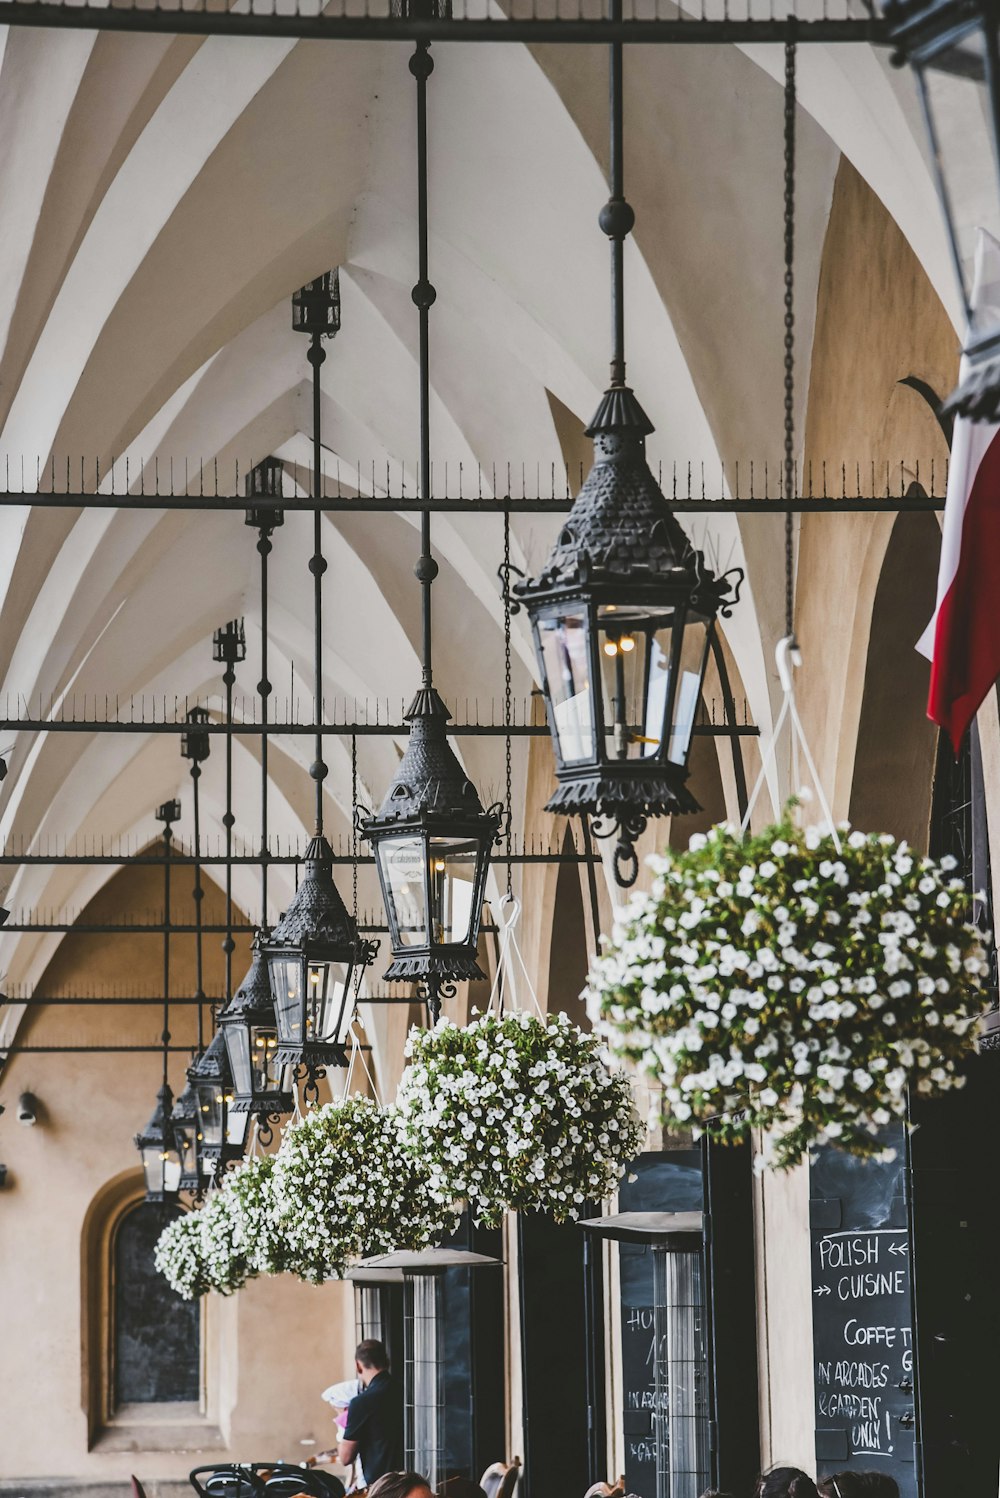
156 1336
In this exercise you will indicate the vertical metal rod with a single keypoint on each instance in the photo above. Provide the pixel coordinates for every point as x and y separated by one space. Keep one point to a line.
198 893
789 332
617 154
424 295
264 688
229 678
165 1037
317 566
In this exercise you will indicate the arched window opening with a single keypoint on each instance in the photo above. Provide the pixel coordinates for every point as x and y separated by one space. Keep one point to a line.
156 1336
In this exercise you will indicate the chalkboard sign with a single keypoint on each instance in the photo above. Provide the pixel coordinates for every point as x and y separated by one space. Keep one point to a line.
863 1316
667 1182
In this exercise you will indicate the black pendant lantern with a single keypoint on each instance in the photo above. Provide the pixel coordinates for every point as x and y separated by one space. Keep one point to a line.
261 1083
157 1143
622 615
161 1161
313 955
432 842
953 48
431 837
624 608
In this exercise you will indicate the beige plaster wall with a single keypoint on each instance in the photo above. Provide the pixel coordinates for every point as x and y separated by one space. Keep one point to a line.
877 320
269 1351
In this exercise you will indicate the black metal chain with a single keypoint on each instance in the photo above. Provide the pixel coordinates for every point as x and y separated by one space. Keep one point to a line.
354 823
507 698
790 58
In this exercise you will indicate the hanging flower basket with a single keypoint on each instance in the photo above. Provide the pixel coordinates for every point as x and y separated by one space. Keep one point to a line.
203 1251
513 1112
256 1236
345 1188
781 983
178 1256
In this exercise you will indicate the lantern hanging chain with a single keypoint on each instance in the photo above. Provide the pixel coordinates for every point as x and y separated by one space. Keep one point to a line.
165 1037
424 295
354 828
616 217
229 678
507 699
198 894
317 566
264 690
790 60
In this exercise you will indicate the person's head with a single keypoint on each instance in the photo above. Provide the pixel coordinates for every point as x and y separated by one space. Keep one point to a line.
785 1482
460 1487
859 1485
400 1484
370 1357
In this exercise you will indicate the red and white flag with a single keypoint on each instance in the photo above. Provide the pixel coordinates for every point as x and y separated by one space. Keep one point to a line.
963 638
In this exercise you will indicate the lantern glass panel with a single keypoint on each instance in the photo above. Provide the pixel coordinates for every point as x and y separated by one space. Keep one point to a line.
960 118
453 864
210 1106
162 1169
238 1051
634 649
236 1128
402 867
310 999
564 648
686 696
186 1133
266 1074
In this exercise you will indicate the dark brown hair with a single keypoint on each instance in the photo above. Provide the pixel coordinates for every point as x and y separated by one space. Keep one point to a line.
785 1482
372 1354
859 1485
396 1484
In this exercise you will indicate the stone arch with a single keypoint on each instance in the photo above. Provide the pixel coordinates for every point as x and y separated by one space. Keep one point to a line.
894 760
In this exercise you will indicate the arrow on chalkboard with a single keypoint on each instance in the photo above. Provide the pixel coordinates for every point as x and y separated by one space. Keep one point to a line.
899 1248
822 1290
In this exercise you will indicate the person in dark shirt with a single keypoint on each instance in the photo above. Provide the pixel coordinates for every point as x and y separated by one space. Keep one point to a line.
374 1430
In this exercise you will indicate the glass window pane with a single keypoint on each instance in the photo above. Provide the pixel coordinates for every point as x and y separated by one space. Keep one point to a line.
327 1016
238 1051
453 878
623 672
402 863
209 1096
688 694
286 979
267 1074
563 642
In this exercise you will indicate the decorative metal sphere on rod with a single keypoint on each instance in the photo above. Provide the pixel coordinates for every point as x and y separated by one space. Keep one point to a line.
157 1143
623 610
431 836
954 51
315 954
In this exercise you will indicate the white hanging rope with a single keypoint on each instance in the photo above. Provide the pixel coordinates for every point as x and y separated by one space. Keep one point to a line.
358 1052
296 1109
787 656
507 916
